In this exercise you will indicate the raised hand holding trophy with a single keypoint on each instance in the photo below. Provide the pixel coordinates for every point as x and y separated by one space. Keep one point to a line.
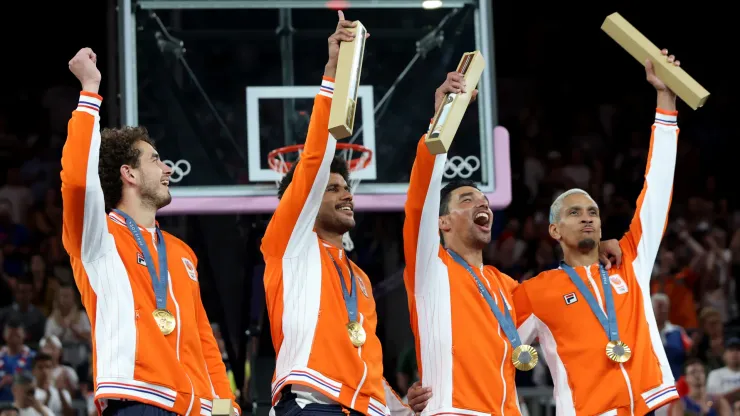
347 83
450 113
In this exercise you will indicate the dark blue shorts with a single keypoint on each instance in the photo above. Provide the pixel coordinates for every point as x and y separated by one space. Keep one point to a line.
131 408
287 406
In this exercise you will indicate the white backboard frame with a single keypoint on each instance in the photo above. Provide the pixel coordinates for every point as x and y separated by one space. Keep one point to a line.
254 153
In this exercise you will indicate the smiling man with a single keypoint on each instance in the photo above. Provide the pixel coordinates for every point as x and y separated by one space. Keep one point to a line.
462 312
154 351
320 304
597 327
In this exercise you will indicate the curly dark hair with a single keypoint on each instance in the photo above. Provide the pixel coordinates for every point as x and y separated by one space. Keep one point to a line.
118 148
338 165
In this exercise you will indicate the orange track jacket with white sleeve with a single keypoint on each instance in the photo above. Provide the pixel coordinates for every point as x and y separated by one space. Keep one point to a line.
463 353
308 316
132 360
551 307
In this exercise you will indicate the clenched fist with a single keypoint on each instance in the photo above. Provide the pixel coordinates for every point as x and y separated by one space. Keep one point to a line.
84 68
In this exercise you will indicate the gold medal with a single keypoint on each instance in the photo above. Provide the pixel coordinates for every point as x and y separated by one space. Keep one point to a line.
524 357
356 334
618 351
165 320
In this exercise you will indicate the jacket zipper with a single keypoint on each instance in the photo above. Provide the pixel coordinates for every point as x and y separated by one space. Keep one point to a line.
364 373
624 371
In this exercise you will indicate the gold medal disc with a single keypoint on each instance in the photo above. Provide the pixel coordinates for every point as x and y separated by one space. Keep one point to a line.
165 320
356 334
618 351
524 357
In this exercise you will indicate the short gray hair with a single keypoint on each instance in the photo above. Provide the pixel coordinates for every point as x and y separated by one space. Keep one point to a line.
660 297
557 205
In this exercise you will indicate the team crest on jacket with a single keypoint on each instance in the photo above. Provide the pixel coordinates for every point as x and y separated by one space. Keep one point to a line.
619 284
570 298
190 268
140 259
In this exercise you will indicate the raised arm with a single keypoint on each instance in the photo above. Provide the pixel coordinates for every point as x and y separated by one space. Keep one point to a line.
421 226
294 218
651 214
84 221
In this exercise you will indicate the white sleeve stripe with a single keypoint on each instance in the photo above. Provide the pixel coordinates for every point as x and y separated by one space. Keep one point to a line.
427 245
90 101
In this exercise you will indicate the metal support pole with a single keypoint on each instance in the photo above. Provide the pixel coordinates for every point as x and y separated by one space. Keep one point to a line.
127 65
285 31
176 24
487 84
111 77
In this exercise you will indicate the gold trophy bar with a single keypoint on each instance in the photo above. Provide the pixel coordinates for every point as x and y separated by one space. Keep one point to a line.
450 113
222 407
347 84
641 49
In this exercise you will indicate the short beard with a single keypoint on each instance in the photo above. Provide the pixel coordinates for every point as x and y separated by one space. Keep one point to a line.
334 225
150 199
586 245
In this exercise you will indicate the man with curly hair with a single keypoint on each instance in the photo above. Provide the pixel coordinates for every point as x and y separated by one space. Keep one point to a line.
154 352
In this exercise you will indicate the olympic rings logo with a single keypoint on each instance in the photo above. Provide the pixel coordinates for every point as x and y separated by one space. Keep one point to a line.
180 169
457 166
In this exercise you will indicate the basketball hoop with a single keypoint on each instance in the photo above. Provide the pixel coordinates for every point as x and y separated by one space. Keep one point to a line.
358 157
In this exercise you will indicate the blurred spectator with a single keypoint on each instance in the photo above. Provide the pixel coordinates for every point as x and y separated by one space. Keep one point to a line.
14 240
32 318
46 221
725 381
24 389
224 356
7 284
59 401
407 372
15 357
710 341
577 171
8 410
62 376
70 324
20 197
669 281
699 400
675 341
45 284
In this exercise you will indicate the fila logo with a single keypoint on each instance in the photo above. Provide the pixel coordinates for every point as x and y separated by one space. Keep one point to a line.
140 259
570 298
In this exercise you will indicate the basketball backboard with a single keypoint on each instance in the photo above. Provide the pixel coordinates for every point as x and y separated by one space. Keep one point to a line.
255 90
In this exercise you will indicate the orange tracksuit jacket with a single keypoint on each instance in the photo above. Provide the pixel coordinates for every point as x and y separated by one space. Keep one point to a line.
132 360
462 352
304 297
550 307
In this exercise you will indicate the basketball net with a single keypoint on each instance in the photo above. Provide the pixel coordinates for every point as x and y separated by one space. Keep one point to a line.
349 154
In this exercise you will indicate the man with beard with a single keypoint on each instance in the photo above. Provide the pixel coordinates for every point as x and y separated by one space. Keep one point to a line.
153 349
320 304
597 328
461 311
